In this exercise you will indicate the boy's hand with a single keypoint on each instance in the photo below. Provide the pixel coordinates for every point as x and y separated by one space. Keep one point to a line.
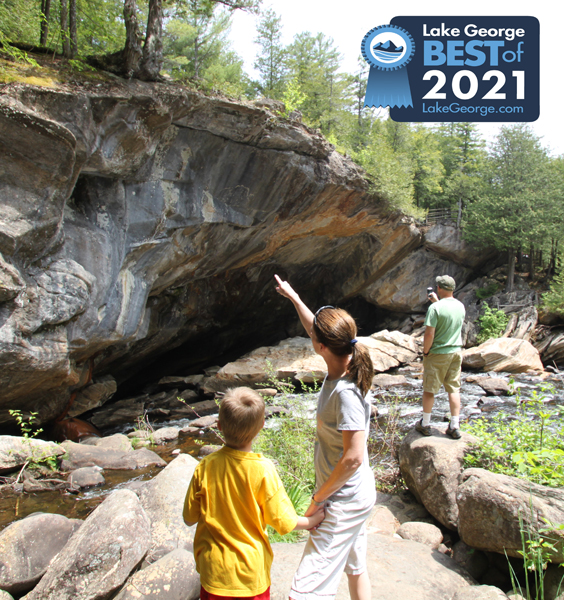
316 518
284 288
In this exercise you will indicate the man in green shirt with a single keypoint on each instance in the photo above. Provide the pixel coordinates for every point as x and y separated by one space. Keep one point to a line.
442 358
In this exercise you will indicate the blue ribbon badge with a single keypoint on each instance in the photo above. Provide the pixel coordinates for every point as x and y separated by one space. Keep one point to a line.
388 49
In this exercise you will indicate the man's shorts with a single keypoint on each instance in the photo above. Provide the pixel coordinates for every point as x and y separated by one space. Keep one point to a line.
337 545
439 369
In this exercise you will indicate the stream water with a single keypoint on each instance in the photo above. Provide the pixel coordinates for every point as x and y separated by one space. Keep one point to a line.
398 407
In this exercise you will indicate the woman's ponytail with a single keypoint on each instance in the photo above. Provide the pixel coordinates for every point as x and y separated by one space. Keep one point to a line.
336 329
361 368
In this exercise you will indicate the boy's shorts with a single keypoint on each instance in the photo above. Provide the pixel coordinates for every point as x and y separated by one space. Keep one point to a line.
338 544
204 595
441 369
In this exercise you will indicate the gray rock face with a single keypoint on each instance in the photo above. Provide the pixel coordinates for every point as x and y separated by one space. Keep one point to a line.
431 467
156 218
99 558
163 500
397 569
173 577
28 546
490 506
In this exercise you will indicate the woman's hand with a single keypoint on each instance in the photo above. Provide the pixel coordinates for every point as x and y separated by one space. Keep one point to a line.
285 289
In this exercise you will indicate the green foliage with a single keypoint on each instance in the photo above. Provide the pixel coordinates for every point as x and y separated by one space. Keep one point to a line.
489 290
270 61
537 549
492 324
25 424
528 445
301 499
553 300
36 457
290 439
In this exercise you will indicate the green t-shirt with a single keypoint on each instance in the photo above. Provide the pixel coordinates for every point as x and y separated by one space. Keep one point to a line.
446 316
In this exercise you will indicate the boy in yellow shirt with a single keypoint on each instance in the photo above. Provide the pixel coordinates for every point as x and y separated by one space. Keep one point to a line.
234 494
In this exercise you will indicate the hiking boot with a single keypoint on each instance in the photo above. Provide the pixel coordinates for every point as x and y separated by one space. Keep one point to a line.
453 433
423 429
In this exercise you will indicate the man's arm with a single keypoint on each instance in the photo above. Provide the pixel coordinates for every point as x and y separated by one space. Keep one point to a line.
428 339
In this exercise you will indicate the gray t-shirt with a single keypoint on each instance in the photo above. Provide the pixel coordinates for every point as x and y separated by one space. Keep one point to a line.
341 407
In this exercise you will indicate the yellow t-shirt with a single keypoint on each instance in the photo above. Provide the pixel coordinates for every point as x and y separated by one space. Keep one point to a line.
233 496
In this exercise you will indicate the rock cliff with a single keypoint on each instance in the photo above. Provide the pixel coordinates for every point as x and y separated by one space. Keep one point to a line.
142 221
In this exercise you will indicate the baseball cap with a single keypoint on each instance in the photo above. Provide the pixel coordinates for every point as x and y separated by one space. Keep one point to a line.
446 282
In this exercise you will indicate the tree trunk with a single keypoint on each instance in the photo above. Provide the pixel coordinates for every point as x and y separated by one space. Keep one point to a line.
531 263
152 59
72 28
510 269
65 28
132 52
45 12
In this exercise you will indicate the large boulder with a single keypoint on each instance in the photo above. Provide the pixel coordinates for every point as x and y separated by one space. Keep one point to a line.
397 569
16 451
492 507
431 467
85 455
163 500
503 354
295 358
100 556
172 577
28 546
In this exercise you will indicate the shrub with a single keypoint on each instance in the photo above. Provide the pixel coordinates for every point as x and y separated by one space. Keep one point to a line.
527 445
492 324
488 291
553 300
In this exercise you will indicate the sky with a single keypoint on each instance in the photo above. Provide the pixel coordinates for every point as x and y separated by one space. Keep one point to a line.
348 22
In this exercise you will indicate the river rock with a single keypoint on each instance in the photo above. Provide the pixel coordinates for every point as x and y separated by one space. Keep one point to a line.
397 569
93 395
165 435
98 559
86 477
205 422
431 467
163 500
118 442
28 546
480 592
384 380
82 455
490 506
424 533
172 577
15 451
503 354
493 386
11 282
5 596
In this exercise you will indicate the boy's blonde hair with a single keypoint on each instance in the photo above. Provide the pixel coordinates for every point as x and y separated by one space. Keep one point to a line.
241 416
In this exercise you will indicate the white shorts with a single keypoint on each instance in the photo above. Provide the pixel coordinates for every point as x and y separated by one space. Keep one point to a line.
339 544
